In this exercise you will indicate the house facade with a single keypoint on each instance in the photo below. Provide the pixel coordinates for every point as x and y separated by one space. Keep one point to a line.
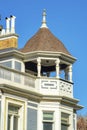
36 87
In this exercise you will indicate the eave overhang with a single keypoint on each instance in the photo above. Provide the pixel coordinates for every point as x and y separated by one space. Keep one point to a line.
34 55
11 53
62 56
71 102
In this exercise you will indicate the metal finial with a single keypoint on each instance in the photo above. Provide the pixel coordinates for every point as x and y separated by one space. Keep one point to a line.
44 19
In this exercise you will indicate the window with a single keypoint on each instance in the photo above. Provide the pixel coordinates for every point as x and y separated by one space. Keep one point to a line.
5 74
47 120
7 64
13 117
64 121
18 66
17 77
15 114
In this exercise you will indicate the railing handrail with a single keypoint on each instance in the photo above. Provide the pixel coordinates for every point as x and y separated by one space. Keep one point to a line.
67 81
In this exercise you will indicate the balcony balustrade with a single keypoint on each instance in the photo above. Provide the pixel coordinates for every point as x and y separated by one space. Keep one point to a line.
42 85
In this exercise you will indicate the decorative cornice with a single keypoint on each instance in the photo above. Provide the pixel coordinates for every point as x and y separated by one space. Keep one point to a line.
71 102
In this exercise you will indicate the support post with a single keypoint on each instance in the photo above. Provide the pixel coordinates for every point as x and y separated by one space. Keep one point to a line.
70 73
57 68
38 67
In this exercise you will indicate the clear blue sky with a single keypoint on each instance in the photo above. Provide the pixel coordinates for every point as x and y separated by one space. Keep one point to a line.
67 19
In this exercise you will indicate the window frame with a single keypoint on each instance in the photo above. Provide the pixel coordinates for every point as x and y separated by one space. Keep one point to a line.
6 61
48 121
64 121
18 103
13 64
12 114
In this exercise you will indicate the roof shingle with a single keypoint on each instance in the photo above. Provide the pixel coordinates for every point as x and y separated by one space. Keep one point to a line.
44 40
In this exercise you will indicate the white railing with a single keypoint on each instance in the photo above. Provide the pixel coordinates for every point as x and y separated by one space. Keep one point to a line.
66 88
43 85
16 77
54 86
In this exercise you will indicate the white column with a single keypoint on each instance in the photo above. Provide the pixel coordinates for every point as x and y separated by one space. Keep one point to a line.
38 67
57 68
57 123
75 121
13 24
7 25
70 73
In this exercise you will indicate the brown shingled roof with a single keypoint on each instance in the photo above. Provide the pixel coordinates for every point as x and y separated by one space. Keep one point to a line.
44 40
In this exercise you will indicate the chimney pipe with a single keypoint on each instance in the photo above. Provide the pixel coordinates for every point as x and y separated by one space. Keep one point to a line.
3 32
12 24
7 25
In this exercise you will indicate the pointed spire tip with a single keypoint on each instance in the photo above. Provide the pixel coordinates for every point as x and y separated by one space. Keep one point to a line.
44 25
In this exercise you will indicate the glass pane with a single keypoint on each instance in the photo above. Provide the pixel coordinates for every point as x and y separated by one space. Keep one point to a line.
47 115
7 64
64 127
47 126
13 117
9 122
15 127
65 118
17 65
13 109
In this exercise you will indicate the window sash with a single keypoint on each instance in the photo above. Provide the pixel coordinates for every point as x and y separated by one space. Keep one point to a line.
12 122
7 64
17 65
47 125
48 120
64 121
13 117
64 127
65 118
15 125
48 116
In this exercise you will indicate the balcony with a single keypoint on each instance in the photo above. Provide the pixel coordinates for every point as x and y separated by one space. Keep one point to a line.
41 85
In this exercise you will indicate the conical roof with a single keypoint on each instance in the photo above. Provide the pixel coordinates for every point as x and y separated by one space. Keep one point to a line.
44 40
